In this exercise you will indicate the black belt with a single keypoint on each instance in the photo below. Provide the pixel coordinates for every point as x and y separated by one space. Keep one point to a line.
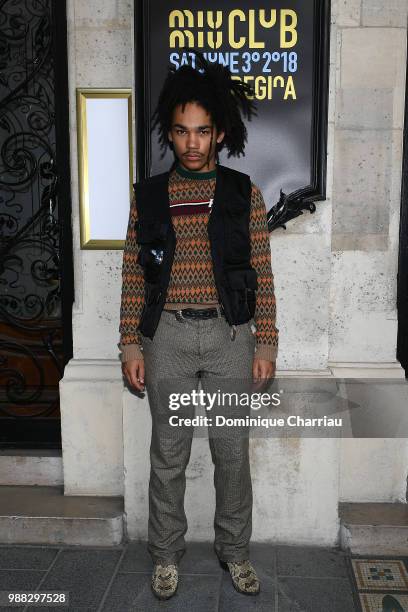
197 313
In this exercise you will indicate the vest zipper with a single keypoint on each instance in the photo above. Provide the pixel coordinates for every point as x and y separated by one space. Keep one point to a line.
233 331
233 328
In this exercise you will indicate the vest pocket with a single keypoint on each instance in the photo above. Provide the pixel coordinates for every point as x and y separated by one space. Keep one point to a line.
237 230
241 279
152 293
252 286
242 286
151 236
150 259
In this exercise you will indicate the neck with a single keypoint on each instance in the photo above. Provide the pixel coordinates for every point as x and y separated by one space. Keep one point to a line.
207 168
194 174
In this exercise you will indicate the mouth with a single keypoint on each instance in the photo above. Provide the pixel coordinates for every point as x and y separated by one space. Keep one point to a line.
192 157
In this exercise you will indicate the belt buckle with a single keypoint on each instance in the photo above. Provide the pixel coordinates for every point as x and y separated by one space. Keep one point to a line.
179 315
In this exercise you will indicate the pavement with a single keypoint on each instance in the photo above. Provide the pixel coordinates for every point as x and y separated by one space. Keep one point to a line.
101 579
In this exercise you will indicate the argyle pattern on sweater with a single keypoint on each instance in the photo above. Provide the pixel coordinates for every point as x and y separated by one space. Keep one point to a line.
192 279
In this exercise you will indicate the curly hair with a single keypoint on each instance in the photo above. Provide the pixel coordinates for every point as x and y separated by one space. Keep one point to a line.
211 85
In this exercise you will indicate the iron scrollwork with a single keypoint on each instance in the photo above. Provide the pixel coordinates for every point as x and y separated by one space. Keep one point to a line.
30 267
289 207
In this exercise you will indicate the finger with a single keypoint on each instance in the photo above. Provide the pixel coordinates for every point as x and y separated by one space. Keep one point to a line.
137 383
133 379
138 377
141 373
256 382
265 375
129 376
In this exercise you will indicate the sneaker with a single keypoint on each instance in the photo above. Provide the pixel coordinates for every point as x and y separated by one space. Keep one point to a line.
164 580
243 576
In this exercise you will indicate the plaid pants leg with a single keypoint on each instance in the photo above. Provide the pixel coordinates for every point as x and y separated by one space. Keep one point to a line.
180 353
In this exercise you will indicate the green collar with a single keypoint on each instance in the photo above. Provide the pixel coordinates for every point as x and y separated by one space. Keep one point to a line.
195 175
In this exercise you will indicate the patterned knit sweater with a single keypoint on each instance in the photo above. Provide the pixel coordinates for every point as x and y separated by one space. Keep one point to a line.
192 282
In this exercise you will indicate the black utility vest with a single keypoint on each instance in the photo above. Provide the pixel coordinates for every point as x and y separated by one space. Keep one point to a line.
228 233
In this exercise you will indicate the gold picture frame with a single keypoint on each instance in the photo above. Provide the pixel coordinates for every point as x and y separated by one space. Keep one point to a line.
104 130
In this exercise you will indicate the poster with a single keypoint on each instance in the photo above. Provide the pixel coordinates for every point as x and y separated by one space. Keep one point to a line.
281 50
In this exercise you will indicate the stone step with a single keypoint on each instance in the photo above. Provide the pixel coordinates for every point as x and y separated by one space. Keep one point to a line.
374 528
31 467
44 515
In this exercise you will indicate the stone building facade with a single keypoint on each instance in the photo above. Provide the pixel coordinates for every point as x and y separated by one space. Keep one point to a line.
335 279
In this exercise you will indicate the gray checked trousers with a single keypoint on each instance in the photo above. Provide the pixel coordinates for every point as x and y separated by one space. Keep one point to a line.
182 353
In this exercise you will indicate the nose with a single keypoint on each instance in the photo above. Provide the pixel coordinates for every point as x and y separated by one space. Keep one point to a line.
192 141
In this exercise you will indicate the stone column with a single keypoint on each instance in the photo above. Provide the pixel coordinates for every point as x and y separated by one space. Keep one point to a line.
100 54
368 136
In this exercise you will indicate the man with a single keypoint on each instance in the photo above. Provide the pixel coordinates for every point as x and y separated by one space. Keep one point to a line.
198 302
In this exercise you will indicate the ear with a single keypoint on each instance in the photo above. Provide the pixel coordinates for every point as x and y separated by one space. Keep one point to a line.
220 137
169 136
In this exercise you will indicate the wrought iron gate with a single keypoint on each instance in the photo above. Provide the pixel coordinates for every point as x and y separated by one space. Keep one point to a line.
36 276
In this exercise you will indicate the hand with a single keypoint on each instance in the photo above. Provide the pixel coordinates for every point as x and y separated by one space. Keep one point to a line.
134 370
262 371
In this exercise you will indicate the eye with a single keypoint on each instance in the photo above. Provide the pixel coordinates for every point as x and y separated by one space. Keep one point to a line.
180 131
205 132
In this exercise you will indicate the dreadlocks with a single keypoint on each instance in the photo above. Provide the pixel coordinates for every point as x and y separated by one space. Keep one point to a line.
211 86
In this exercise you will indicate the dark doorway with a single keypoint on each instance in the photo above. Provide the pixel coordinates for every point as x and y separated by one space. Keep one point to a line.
402 299
36 272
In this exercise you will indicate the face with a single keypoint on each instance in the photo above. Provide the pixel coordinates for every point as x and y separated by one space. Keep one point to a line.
191 137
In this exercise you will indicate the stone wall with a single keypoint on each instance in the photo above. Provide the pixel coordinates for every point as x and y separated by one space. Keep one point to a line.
335 277
368 124
335 271
100 55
